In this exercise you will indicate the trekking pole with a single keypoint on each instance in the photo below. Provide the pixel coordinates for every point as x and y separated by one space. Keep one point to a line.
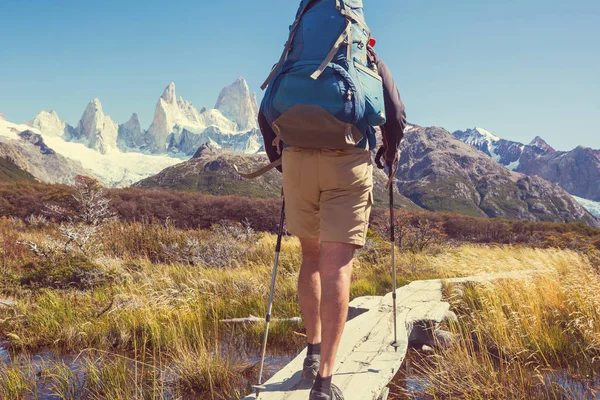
395 343
260 386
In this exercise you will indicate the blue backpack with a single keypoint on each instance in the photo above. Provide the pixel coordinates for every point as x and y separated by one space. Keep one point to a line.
325 91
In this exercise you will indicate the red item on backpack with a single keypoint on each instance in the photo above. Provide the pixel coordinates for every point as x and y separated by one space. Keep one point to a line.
372 42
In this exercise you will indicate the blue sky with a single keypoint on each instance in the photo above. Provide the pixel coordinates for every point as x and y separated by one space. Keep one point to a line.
518 68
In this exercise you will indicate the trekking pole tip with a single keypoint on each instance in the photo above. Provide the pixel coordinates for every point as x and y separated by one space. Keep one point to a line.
258 388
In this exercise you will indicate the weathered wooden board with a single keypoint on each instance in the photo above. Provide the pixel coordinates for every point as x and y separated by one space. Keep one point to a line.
362 340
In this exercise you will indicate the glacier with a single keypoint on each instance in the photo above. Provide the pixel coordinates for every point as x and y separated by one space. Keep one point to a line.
592 206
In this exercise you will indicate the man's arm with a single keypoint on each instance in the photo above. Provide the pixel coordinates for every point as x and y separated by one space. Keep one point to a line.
393 129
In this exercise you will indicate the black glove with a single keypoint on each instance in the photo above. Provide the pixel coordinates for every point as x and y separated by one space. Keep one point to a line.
380 154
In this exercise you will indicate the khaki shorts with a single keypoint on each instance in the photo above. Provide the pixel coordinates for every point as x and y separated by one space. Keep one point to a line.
328 194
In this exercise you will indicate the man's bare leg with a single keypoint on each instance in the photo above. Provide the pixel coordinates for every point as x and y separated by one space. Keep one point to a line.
335 268
309 289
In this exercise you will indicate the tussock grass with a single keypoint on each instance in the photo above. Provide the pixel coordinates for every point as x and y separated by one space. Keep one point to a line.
514 334
17 380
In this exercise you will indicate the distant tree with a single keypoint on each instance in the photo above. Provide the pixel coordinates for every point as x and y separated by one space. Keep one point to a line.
81 225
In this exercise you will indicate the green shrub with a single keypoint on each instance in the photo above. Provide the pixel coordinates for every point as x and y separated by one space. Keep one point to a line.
68 271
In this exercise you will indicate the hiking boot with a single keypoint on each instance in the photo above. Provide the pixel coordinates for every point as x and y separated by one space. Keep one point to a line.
310 369
336 394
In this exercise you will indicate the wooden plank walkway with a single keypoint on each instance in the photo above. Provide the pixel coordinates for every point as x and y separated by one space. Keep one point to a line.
366 363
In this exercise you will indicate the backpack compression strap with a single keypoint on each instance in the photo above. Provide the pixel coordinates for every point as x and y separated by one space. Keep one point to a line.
288 44
345 37
284 55
347 34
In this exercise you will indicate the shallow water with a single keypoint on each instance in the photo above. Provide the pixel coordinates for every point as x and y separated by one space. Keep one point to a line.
410 384
575 387
39 362
3 354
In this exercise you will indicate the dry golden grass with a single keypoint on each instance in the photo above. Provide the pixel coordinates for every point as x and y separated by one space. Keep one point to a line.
151 327
513 334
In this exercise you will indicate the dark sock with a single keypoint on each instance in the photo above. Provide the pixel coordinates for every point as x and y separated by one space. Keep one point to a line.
322 385
314 349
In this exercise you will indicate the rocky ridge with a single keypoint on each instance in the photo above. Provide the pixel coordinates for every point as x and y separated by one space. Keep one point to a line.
577 171
439 172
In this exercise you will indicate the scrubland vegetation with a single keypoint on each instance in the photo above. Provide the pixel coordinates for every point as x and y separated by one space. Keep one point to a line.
125 298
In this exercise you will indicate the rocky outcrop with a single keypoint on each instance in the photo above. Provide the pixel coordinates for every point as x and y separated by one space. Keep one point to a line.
212 171
577 171
36 140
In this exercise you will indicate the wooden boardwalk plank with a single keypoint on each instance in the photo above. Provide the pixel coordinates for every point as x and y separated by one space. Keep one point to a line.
366 362
364 353
287 383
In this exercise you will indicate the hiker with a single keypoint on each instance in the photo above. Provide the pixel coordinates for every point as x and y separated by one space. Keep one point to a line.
326 161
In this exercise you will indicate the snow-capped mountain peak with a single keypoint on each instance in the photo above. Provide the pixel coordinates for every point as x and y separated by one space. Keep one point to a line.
237 104
96 130
477 137
541 144
50 124
169 94
178 127
488 135
503 151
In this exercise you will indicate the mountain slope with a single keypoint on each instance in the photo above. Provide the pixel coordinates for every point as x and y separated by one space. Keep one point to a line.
51 159
27 149
439 172
577 171
10 172
212 171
